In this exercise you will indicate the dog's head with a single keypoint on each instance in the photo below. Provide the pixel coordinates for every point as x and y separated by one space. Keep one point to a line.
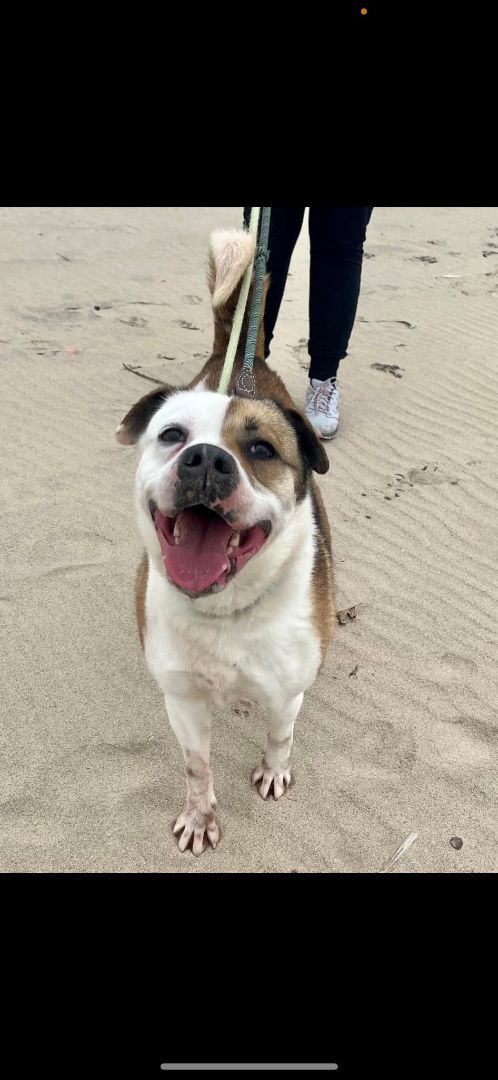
219 477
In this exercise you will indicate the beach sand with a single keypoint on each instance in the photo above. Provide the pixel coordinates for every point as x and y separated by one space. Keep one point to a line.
397 735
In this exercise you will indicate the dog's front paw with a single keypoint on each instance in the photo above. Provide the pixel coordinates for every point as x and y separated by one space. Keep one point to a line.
196 827
271 778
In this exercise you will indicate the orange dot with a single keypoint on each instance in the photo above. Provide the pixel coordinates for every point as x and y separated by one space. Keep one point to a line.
364 10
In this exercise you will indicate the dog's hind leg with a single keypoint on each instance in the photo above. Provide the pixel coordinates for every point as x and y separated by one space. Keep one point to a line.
274 771
190 718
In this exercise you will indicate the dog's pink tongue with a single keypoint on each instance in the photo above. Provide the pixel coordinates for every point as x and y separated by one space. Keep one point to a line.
200 559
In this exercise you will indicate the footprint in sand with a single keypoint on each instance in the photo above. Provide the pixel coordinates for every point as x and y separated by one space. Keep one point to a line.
301 353
186 325
477 727
430 475
393 369
387 744
426 475
192 299
134 320
46 315
459 663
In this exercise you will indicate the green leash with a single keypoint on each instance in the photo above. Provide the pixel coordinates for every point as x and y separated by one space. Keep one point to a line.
246 384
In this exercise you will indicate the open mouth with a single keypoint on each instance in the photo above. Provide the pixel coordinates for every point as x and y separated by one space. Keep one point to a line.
201 551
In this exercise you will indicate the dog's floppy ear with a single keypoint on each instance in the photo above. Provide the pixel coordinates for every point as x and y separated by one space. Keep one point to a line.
136 420
310 446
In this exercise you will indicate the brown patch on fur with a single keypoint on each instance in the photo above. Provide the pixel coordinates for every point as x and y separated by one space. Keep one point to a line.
310 446
140 590
322 581
251 420
248 421
269 385
320 515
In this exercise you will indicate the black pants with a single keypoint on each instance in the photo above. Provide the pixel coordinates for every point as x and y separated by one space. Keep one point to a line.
337 234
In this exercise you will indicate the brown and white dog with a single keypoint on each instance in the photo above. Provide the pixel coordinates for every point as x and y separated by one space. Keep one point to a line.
234 595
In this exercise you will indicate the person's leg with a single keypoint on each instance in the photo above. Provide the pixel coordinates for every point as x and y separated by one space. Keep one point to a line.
337 234
285 226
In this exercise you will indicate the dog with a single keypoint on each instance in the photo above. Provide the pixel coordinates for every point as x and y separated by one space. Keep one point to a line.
234 594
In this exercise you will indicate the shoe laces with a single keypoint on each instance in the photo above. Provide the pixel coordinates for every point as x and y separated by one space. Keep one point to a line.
321 396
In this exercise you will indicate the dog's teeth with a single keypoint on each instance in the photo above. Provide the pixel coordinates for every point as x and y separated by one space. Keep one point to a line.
176 532
234 541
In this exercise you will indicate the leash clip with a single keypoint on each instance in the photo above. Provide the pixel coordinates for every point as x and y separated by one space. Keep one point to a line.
246 383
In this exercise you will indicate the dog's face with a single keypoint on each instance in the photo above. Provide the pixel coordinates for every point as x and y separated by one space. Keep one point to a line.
219 479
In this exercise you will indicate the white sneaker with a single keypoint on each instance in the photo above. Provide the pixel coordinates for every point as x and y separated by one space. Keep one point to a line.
322 407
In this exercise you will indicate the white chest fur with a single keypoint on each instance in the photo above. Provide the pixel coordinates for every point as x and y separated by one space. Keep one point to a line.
263 646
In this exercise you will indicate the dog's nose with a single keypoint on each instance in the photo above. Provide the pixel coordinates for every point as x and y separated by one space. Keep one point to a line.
205 464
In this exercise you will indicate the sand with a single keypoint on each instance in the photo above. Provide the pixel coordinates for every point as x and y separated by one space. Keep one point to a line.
397 735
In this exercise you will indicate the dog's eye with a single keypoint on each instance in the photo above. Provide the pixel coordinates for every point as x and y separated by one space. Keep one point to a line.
262 451
172 435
